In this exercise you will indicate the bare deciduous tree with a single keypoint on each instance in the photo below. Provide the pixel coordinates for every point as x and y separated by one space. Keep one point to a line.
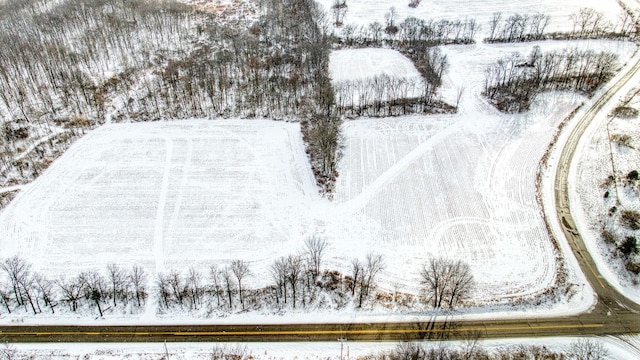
194 287
446 282
19 273
315 248
71 292
279 275
240 270
227 279
356 275
216 286
294 273
117 280
588 349
46 291
137 277
94 288
373 265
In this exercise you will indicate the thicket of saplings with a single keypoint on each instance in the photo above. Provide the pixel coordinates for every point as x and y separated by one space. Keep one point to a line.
298 281
512 82
587 24
73 64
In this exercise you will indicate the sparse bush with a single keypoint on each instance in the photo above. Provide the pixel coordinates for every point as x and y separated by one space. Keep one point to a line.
622 140
588 349
629 246
630 219
15 130
610 180
632 266
625 112
608 236
408 350
223 352
79 121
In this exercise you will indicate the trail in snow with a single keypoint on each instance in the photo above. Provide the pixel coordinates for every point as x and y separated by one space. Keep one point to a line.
31 147
9 189
158 238
356 204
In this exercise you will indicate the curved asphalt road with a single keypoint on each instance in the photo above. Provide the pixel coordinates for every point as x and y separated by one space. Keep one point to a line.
613 315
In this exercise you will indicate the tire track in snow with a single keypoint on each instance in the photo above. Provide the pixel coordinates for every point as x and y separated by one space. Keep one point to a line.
183 184
357 203
441 228
307 180
158 241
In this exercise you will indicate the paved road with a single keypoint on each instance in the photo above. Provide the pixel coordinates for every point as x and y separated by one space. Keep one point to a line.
613 314
609 300
586 324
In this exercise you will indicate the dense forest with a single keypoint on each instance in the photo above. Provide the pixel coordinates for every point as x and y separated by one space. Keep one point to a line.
74 65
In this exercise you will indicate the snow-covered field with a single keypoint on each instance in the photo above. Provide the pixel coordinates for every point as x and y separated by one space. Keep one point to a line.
460 186
169 195
165 195
363 64
364 12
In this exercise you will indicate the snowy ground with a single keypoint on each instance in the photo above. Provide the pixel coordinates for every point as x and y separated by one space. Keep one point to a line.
171 195
364 12
165 195
460 186
622 348
363 64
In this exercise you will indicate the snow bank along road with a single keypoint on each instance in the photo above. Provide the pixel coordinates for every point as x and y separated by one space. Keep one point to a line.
613 314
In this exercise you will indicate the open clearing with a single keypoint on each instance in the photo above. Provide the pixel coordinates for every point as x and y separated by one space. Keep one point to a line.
357 74
364 64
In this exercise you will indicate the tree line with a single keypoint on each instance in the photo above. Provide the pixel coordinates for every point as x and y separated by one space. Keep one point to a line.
29 291
586 24
411 32
512 82
297 281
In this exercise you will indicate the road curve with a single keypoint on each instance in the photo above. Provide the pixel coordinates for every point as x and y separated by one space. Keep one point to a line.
609 299
613 314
